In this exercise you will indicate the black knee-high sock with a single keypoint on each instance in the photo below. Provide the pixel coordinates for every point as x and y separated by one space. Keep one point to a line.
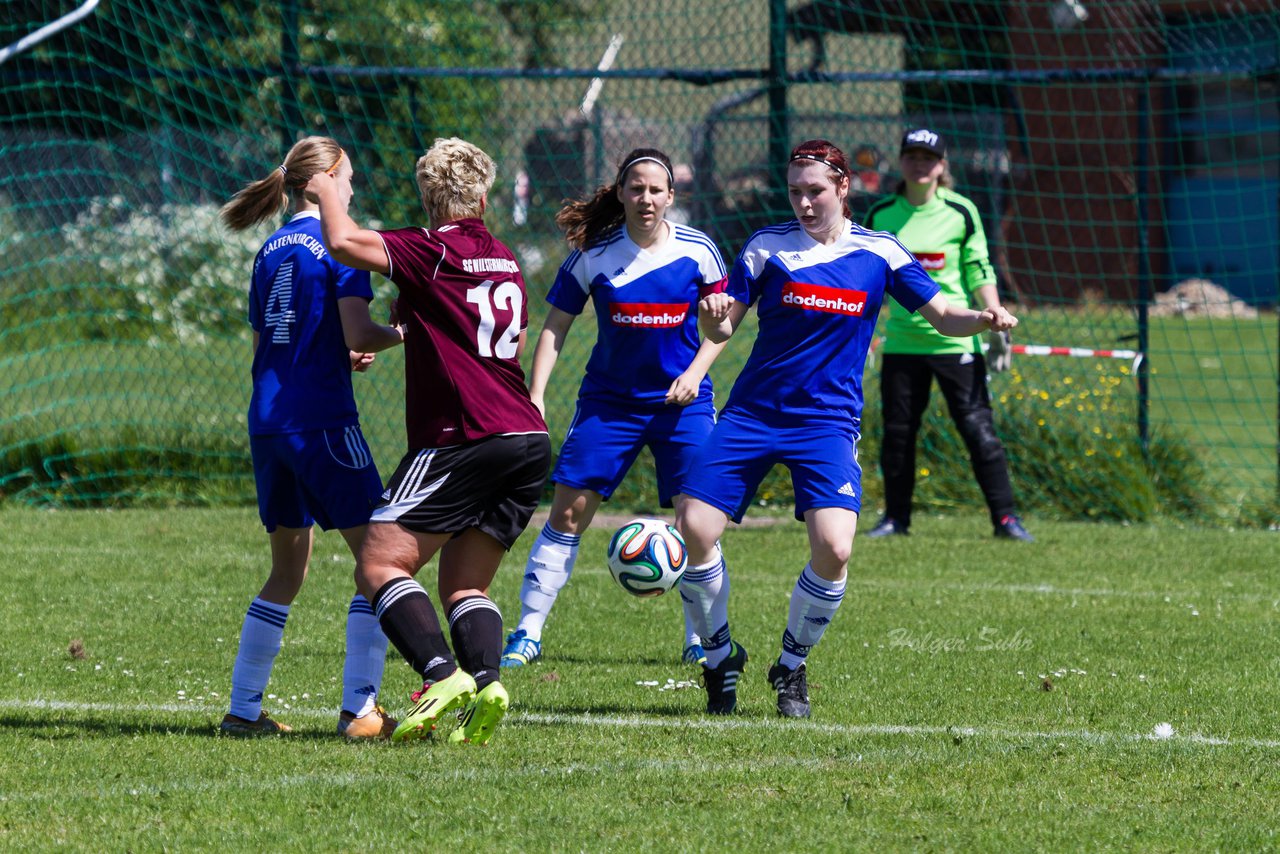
409 621
475 624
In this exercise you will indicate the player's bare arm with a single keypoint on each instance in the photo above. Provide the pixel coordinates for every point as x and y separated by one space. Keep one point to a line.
987 296
719 316
550 341
347 242
957 322
359 331
684 388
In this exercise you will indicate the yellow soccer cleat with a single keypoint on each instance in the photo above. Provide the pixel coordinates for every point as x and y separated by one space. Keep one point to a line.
435 699
482 715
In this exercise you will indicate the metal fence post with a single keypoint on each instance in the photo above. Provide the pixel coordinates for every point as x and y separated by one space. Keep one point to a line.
779 118
1144 266
290 69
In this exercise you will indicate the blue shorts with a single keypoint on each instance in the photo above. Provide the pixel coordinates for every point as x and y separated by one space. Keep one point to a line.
822 456
604 440
324 476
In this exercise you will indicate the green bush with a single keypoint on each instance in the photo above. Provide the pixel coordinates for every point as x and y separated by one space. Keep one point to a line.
1073 452
126 469
172 270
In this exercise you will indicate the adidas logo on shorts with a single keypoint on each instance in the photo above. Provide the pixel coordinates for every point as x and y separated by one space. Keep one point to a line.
847 489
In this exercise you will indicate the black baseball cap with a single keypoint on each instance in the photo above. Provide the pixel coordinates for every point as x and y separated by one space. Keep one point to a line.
925 140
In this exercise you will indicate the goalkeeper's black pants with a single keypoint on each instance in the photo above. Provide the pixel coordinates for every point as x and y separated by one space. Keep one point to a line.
905 382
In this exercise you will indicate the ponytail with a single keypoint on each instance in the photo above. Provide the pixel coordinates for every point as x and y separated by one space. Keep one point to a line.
585 220
266 197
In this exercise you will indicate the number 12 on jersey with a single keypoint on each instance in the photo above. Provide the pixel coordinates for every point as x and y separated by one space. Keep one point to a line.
505 296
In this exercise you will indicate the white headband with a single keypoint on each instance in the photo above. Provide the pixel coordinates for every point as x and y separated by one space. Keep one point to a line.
816 159
623 170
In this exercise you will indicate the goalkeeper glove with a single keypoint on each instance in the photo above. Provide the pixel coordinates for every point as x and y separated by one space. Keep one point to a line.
999 351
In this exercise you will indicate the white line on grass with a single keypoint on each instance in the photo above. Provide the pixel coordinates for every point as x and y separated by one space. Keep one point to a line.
694 722
1173 596
922 587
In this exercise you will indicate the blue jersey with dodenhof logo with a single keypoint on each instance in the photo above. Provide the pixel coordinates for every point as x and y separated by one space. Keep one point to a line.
817 306
646 305
302 367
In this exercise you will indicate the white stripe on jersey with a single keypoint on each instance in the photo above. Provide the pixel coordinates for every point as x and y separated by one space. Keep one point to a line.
692 235
444 250
794 249
617 260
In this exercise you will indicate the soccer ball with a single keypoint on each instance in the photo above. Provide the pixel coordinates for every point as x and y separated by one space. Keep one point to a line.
647 557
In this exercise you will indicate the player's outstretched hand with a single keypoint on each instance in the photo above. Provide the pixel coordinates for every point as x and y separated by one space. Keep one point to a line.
316 186
998 319
683 391
715 306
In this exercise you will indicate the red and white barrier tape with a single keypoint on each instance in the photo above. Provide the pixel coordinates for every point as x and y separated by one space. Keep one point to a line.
1074 352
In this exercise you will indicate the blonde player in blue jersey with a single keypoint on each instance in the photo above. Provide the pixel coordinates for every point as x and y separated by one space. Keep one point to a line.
646 382
311 329
818 283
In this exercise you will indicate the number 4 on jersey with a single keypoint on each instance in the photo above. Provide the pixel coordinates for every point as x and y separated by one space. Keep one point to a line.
280 316
506 296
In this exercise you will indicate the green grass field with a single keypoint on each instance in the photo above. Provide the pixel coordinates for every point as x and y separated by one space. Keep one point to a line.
971 694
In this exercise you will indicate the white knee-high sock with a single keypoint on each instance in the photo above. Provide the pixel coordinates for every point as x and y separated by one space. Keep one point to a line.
366 658
704 590
691 635
260 639
814 602
547 571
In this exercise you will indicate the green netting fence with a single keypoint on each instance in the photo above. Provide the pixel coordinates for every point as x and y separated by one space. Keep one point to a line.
1124 156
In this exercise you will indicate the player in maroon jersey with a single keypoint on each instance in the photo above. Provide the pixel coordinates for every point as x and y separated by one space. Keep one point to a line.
478 447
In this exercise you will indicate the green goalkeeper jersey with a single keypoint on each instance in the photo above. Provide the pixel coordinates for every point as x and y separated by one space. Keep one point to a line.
945 234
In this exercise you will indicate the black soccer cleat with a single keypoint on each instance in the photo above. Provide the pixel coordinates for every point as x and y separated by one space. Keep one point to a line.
721 681
1010 528
887 527
792 688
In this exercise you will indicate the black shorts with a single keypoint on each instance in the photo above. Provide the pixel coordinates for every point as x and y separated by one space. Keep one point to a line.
493 485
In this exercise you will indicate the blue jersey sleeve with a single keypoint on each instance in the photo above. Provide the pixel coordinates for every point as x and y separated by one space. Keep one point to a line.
740 284
911 286
710 265
569 292
256 296
748 270
349 282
